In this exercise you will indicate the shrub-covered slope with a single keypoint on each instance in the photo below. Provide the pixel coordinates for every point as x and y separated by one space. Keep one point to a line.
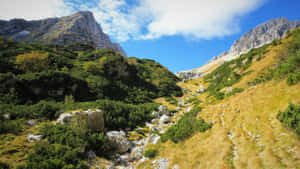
39 82
248 101
34 72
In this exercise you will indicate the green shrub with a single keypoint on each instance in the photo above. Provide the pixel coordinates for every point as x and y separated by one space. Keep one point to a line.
291 117
62 134
43 109
88 140
289 64
54 156
151 153
11 126
171 100
225 75
186 127
4 165
234 91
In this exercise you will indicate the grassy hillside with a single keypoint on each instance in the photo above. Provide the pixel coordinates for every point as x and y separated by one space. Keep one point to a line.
247 100
39 82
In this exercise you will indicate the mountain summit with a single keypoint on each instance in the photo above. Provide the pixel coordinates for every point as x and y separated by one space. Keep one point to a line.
79 27
261 35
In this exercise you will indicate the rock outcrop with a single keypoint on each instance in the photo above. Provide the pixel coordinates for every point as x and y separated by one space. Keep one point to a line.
261 35
119 140
79 27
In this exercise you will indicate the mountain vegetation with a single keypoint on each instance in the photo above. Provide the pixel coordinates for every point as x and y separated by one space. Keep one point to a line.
42 81
252 103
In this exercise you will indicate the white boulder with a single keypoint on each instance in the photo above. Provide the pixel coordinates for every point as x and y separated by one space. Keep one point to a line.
161 163
63 118
33 138
119 140
164 119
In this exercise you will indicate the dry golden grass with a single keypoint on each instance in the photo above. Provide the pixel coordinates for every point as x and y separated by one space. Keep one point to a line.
246 133
260 140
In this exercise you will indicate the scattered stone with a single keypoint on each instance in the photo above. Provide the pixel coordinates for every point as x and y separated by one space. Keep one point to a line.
110 167
153 121
63 118
33 138
125 158
164 119
201 89
181 102
151 127
161 163
137 152
75 112
176 166
91 155
153 138
31 123
118 138
163 110
155 114
6 116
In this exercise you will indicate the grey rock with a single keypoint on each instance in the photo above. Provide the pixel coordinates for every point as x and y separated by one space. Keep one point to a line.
63 118
153 121
155 114
164 119
79 27
119 140
91 155
6 116
137 153
153 138
161 163
33 138
31 123
163 110
110 167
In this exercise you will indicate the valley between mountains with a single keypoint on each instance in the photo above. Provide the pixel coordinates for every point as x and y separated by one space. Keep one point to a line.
81 105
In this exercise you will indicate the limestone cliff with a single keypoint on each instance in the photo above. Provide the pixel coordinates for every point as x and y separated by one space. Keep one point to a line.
79 27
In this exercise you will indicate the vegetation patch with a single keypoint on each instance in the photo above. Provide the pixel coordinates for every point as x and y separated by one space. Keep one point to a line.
187 126
231 72
234 91
289 63
151 153
291 117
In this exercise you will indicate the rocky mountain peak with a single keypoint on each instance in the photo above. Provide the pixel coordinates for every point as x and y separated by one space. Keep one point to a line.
79 27
262 34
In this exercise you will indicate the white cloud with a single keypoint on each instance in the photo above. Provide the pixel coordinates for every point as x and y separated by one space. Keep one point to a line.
196 18
145 19
151 19
33 9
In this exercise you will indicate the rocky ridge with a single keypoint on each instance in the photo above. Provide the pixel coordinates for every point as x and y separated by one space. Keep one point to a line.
261 35
79 27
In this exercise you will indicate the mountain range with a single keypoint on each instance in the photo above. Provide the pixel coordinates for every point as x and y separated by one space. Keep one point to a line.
80 27
261 35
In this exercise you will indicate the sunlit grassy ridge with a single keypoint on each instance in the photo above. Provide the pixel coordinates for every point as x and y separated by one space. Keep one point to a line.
246 132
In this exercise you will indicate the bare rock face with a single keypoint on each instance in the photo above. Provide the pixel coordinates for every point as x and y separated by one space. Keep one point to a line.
261 35
79 27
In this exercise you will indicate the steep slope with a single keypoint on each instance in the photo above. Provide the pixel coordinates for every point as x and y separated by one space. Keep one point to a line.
79 27
260 35
246 131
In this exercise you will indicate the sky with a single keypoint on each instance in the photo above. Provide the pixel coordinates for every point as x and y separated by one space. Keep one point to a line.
179 34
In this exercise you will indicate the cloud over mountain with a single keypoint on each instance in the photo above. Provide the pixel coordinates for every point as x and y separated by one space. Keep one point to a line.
144 19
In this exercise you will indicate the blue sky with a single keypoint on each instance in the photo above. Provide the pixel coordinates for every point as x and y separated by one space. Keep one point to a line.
178 53
180 34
